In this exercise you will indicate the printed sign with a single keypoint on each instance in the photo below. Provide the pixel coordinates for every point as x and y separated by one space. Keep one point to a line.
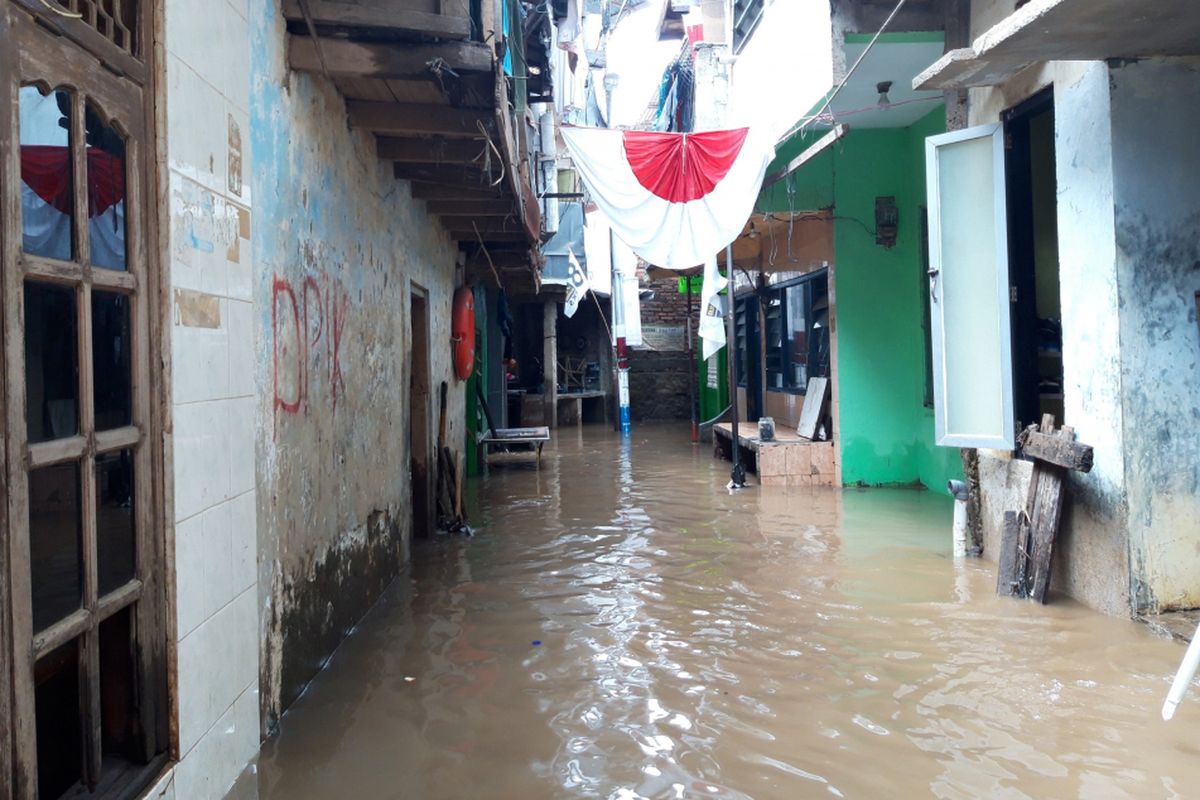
663 337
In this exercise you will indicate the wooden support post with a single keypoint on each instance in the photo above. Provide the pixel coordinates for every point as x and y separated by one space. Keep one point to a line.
1009 579
550 361
1027 548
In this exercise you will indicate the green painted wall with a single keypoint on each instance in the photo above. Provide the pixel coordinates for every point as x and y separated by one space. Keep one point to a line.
712 401
886 430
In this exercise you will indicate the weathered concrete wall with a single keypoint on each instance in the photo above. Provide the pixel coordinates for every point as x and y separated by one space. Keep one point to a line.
213 387
659 370
865 16
1155 116
338 242
1092 558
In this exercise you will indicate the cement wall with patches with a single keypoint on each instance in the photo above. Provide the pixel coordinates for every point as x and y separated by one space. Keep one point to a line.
338 245
1129 273
1155 115
1091 558
213 302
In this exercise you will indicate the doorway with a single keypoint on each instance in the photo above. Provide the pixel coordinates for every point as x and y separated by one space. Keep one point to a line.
1037 334
419 406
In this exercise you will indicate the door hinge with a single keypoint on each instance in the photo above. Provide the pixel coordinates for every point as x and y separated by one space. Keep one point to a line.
1012 294
1008 141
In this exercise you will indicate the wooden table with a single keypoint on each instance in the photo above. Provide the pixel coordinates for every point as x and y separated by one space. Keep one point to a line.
576 404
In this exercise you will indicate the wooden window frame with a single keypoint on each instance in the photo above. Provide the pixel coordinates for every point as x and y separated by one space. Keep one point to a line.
52 50
747 14
784 351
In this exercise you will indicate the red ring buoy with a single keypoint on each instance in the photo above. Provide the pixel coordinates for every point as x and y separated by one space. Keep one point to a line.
462 332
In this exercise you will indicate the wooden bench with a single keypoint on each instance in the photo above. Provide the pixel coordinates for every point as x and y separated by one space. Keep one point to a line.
787 460
523 438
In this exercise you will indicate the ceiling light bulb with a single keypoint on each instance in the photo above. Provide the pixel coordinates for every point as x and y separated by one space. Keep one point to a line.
885 102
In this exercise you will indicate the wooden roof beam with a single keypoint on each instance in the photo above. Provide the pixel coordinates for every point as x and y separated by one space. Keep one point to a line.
468 235
438 191
460 177
430 151
466 208
394 16
396 119
385 59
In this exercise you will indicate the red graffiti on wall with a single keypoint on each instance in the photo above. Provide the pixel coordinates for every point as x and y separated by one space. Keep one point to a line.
307 327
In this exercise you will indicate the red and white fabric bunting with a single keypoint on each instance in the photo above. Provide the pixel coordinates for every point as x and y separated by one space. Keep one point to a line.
675 198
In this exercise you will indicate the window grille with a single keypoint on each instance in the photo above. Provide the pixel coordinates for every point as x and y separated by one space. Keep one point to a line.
115 20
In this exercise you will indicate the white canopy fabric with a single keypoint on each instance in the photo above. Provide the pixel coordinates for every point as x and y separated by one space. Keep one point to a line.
681 198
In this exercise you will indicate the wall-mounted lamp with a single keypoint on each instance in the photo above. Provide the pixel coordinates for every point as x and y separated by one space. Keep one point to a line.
887 221
885 102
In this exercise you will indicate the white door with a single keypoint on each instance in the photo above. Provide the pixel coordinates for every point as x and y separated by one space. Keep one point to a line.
969 288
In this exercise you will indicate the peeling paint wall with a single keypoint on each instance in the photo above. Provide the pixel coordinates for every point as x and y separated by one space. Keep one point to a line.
338 242
1155 116
1091 557
1129 273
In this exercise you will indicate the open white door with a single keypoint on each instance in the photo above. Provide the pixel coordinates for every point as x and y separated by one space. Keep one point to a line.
969 288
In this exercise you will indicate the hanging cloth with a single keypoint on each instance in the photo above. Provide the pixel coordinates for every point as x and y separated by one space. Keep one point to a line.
675 198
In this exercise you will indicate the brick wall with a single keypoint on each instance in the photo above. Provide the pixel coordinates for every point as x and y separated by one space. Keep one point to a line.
658 379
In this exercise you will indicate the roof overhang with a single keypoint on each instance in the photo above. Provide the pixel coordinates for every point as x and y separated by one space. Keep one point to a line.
893 59
773 243
438 106
811 152
1068 30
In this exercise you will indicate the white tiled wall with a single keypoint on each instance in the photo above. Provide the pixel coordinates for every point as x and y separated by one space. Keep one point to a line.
213 390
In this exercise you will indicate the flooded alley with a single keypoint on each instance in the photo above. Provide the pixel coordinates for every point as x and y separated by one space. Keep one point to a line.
621 626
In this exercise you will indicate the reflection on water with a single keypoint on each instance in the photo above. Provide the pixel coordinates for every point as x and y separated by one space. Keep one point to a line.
624 627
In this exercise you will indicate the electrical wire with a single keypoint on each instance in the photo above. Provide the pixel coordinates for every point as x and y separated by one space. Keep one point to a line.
837 90
61 12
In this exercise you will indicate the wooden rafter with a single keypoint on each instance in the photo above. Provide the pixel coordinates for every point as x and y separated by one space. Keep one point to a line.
488 236
458 175
438 191
436 150
398 119
479 208
354 15
385 60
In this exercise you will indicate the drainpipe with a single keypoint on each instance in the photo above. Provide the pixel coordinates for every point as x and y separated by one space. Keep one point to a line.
961 494
548 166
1183 678
617 299
737 475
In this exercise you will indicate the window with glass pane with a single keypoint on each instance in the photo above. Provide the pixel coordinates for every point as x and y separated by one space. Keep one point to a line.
106 191
797 302
55 543
47 184
741 322
51 362
58 724
111 382
87 636
773 326
115 544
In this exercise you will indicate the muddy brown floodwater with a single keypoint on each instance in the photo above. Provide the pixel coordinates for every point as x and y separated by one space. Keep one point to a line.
773 643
